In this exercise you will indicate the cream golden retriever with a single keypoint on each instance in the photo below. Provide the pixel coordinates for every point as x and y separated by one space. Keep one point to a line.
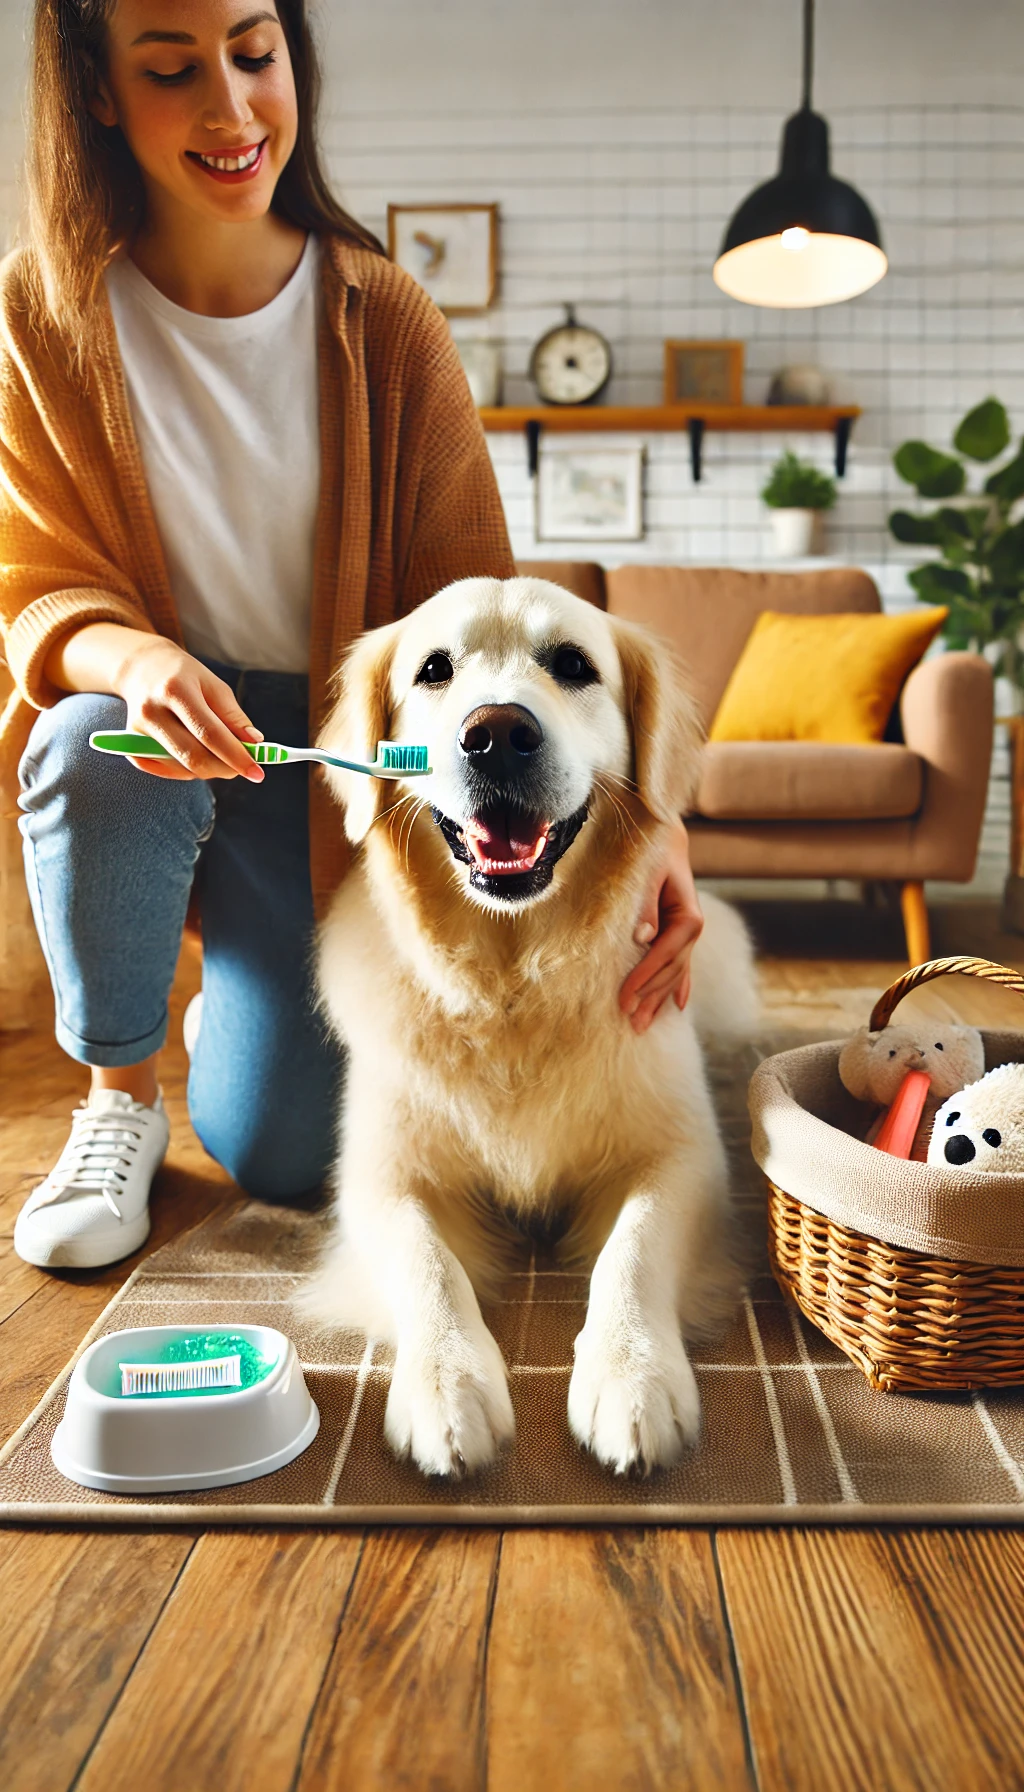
471 963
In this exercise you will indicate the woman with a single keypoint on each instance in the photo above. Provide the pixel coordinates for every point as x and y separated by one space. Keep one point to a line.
233 436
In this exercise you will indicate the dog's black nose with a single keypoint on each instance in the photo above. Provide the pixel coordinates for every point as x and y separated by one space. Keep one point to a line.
959 1149
500 737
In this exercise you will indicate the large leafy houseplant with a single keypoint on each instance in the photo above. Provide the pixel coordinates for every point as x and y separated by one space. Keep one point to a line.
979 571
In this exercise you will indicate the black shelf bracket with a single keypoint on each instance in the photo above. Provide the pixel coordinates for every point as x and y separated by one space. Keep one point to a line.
843 428
533 446
695 430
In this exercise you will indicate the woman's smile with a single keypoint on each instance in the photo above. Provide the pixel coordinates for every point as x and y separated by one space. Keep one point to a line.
244 164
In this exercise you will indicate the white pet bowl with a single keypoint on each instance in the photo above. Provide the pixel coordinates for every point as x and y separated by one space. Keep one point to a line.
164 1443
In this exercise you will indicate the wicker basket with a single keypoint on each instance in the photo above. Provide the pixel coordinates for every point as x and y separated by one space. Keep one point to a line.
908 1319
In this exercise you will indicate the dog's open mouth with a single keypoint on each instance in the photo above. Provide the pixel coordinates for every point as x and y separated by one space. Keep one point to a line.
512 853
504 841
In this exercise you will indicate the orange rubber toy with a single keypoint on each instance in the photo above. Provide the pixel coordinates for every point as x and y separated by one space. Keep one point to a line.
896 1133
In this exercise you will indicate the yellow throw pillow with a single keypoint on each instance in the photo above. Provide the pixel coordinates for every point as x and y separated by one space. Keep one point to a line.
822 677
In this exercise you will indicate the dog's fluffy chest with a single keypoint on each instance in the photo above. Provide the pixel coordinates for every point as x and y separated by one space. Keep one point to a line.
534 1101
524 1086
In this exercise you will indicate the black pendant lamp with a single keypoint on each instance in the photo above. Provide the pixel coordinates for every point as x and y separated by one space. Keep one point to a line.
804 238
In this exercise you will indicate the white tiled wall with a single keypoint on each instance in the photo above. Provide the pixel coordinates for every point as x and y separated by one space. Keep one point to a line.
622 212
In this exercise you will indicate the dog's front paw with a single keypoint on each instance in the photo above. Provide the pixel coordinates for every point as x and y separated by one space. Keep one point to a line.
633 1400
449 1406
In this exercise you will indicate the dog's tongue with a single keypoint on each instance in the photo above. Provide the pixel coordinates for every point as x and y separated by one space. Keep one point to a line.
507 842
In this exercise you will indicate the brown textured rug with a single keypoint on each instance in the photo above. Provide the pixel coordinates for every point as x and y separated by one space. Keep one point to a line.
792 1433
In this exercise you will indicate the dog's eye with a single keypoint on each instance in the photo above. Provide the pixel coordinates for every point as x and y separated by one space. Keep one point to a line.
438 669
992 1137
939 1047
951 1119
570 666
892 1054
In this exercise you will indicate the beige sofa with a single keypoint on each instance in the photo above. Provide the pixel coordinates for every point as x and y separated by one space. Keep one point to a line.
905 810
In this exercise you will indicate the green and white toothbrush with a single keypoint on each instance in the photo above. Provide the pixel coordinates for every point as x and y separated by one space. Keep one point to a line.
394 760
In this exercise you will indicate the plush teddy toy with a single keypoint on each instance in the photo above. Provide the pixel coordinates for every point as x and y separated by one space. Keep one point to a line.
872 1066
982 1127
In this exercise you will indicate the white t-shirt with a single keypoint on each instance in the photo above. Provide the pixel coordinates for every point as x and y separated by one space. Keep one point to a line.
226 411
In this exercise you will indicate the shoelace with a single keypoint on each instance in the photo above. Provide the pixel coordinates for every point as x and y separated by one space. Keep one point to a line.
96 1158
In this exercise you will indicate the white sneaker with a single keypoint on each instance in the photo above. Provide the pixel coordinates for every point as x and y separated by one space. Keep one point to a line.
93 1207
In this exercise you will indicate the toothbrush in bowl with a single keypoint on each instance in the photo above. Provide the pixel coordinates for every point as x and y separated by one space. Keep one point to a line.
394 759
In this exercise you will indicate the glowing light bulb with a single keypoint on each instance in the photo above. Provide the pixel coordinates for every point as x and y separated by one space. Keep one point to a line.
795 239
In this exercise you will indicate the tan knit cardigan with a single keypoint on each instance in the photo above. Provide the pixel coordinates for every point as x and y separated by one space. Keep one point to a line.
408 499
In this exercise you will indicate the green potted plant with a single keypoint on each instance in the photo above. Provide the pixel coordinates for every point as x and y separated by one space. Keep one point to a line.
978 569
797 495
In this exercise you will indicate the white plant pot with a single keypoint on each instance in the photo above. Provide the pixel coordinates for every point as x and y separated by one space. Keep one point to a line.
797 533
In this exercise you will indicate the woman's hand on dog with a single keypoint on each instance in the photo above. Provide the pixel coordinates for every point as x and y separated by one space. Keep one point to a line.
672 922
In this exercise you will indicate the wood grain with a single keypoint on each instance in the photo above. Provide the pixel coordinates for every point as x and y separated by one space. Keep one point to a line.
221 1696
40 1337
76 1611
402 1704
514 418
46 1328
23 976
18 1280
875 1660
609 1665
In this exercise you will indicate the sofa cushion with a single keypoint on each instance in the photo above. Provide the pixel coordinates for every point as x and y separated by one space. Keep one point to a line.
786 780
822 678
584 578
707 612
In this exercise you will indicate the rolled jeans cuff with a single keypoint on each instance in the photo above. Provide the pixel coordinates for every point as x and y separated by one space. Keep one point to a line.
110 1057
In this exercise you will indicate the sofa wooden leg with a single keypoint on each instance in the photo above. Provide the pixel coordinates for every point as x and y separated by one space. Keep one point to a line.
915 923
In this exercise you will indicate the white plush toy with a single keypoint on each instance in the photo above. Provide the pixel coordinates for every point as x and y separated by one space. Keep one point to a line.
872 1066
982 1127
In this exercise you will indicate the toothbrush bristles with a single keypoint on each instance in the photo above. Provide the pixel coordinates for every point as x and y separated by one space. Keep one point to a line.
180 1378
394 756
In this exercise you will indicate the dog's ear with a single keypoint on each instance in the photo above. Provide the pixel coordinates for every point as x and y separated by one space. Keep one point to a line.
663 723
360 718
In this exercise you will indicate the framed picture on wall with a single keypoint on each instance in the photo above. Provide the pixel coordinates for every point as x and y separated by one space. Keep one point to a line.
708 372
589 494
452 250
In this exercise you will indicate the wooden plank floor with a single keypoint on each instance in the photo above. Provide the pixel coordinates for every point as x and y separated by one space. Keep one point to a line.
620 1659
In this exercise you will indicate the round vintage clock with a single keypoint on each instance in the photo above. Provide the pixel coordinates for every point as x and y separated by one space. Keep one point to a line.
571 364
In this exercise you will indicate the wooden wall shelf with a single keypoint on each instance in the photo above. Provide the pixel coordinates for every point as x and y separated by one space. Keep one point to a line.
835 420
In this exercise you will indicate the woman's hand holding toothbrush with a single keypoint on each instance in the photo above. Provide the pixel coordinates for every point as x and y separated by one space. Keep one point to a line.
169 694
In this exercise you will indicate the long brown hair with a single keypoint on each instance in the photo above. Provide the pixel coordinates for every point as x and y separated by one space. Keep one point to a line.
86 196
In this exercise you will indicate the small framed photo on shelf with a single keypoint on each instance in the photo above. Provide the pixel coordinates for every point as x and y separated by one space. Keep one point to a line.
589 494
704 372
452 250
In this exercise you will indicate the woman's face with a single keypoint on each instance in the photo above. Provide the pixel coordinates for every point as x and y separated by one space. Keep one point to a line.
204 93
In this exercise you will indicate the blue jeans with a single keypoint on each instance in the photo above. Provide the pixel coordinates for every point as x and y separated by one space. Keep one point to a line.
111 856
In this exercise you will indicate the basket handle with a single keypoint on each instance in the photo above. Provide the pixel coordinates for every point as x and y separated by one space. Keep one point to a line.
882 1011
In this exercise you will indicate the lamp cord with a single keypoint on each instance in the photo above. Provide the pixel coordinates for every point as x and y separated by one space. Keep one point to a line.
808 52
